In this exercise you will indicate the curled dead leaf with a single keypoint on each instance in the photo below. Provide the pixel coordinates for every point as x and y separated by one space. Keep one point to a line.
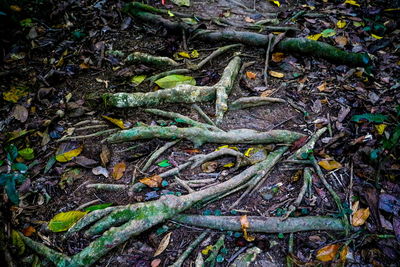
244 222
152 181
276 74
328 253
163 244
119 170
209 166
360 216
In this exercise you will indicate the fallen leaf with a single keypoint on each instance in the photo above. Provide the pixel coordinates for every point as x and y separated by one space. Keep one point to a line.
378 118
360 216
328 33
251 75
117 122
351 2
328 253
209 166
136 80
100 171
343 253
164 163
277 57
329 164
20 113
174 80
152 181
249 20
227 146
276 74
65 220
69 155
184 54
119 170
17 242
297 175
15 8
341 41
194 54
85 162
163 244
380 128
244 222
376 36
84 66
28 231
27 153
192 151
341 24
276 2
105 155
155 263
314 37
14 94
228 165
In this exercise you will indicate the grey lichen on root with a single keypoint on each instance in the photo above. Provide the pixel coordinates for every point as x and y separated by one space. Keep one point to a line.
183 93
161 62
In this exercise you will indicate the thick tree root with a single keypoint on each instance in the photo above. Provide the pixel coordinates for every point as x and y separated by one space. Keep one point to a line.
201 136
202 114
293 45
183 93
263 224
253 101
162 62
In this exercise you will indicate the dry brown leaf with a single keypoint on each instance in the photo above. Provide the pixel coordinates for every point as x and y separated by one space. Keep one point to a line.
267 93
152 181
244 222
343 253
20 113
163 244
297 176
28 231
355 206
105 155
209 166
328 253
251 75
341 41
329 164
360 216
322 87
276 74
119 170
277 57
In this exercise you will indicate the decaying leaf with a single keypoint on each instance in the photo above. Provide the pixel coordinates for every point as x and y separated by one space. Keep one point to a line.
20 113
209 166
244 222
328 253
117 122
341 24
152 181
28 231
251 75
277 57
329 164
276 74
119 170
64 220
105 155
328 33
14 94
68 155
360 216
155 263
341 41
136 80
100 171
314 37
163 244
17 242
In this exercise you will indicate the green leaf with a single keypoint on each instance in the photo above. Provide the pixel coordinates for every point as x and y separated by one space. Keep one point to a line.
65 220
378 118
17 242
19 167
190 21
174 80
136 80
1 162
12 191
12 152
26 22
27 153
164 163
49 164
98 207
328 33
181 2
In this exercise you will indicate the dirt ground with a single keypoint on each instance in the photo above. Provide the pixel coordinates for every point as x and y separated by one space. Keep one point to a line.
77 54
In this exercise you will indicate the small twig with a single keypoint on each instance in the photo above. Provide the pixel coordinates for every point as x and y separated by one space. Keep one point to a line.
270 40
184 184
91 127
154 156
203 115
87 122
100 133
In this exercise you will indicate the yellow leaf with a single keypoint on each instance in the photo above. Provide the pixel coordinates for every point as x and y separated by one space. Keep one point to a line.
360 216
184 54
276 74
328 253
14 94
278 56
329 164
84 66
230 164
163 244
69 155
207 249
248 151
244 222
119 170
276 2
117 122
138 79
314 37
194 54
376 36
297 175
170 14
251 75
15 8
322 87
341 24
343 253
351 2
152 181
65 220
227 146
380 128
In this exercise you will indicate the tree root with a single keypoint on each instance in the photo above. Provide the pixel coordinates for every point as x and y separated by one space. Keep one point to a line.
264 224
253 101
201 136
131 220
182 93
203 115
213 55
138 57
294 45
154 156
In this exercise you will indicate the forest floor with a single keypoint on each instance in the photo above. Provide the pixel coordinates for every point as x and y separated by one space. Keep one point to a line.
58 59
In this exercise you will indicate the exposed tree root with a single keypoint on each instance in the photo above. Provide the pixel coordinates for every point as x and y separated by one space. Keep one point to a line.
213 55
201 136
183 93
264 224
138 57
154 156
253 101
202 114
293 45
